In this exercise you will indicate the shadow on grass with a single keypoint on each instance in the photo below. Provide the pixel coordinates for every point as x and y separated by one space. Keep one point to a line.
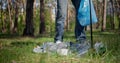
7 35
20 44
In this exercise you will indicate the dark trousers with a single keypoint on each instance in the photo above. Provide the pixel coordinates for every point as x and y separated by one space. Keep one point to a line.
61 17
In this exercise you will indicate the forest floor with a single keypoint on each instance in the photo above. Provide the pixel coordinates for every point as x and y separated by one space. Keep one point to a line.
18 49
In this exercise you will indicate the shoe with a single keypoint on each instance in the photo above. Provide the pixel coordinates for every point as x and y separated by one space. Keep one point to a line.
58 41
62 45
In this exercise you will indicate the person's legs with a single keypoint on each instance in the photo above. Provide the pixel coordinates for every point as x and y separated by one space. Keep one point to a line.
60 19
81 46
79 30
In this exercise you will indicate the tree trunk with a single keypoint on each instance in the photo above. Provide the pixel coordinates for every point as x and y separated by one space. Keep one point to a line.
67 20
29 29
118 13
23 12
16 17
23 5
97 13
42 18
119 22
1 17
10 19
104 16
112 15
35 8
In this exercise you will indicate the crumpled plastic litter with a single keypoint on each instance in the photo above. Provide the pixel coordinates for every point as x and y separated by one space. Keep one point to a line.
66 48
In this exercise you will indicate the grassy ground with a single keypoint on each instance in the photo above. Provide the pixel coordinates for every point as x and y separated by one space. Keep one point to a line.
16 49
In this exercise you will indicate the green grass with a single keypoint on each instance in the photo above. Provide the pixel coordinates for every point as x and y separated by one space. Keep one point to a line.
18 49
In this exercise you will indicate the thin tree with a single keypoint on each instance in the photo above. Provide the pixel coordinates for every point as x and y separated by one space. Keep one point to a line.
29 29
23 8
1 15
67 20
42 18
119 23
16 16
119 13
112 15
1 9
118 9
10 15
104 16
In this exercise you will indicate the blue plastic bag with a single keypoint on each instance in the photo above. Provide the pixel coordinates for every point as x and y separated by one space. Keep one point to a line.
84 13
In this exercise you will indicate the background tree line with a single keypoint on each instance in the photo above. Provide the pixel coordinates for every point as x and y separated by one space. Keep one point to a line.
34 17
